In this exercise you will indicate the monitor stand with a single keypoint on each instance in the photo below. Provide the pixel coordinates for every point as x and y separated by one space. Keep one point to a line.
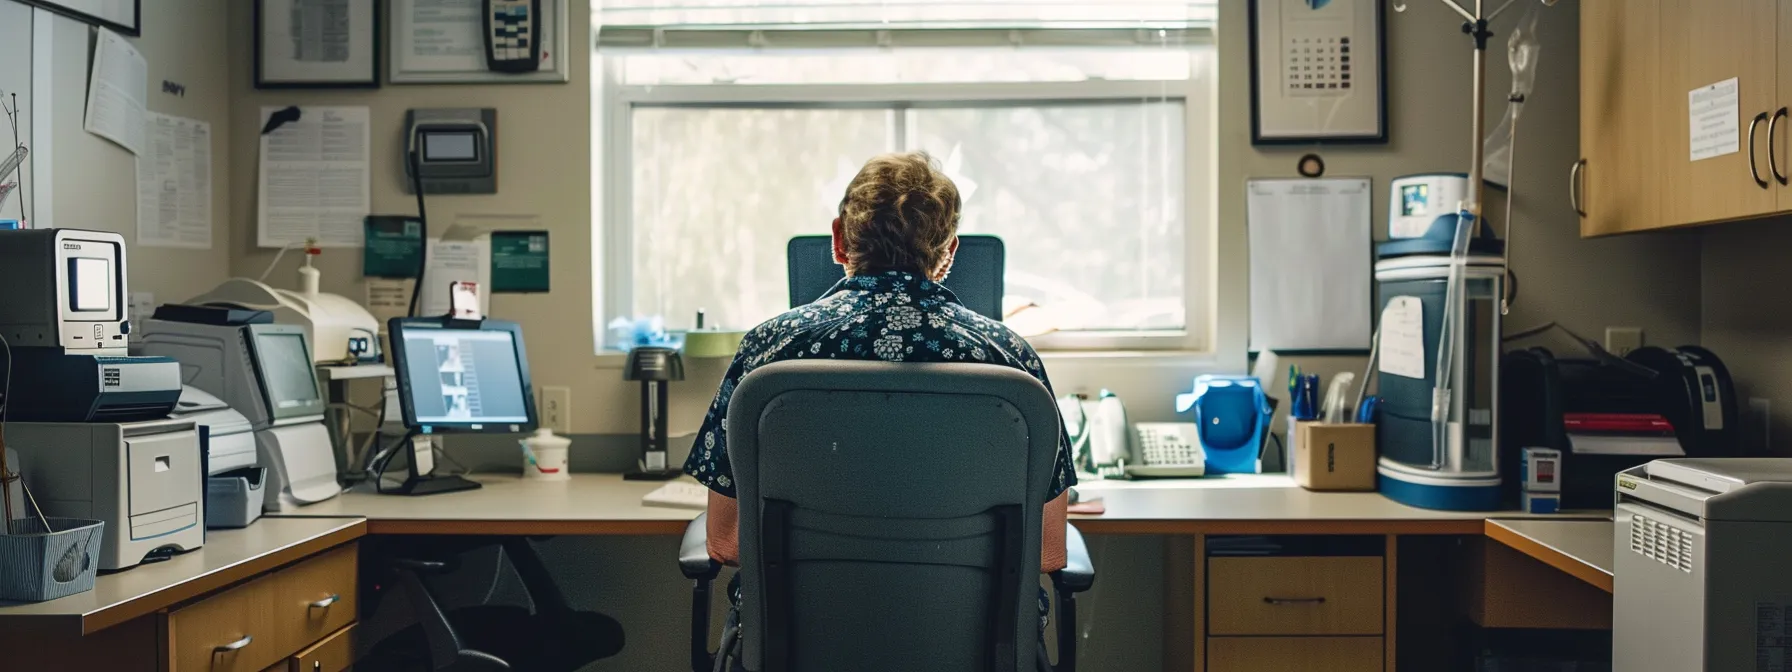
417 484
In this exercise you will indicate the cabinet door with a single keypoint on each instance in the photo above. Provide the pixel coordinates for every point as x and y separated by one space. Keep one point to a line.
1705 42
1620 146
1782 142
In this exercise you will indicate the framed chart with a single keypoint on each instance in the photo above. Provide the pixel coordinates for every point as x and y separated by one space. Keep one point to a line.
1318 71
443 42
317 44
123 16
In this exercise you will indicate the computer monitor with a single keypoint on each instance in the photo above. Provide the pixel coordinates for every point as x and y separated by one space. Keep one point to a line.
976 274
282 358
462 376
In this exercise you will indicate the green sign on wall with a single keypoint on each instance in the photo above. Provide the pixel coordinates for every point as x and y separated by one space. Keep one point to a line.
519 261
394 247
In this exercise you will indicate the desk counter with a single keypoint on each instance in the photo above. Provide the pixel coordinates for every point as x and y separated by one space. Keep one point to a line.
1582 548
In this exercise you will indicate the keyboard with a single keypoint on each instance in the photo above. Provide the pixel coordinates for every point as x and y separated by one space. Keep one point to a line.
678 495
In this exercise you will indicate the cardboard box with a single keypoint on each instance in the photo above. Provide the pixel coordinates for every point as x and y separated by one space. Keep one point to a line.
1334 456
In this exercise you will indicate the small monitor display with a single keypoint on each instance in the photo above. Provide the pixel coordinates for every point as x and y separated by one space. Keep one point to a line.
286 370
451 146
976 277
466 377
1414 198
90 284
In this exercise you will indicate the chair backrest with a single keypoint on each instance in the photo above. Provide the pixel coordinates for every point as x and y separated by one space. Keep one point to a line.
890 515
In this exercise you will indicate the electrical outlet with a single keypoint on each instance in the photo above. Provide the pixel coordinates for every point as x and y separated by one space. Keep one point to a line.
1621 340
556 409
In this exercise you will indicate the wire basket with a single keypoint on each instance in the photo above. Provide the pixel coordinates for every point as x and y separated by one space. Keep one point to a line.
37 564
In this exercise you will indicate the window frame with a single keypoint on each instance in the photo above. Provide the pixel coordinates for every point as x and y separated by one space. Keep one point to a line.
613 207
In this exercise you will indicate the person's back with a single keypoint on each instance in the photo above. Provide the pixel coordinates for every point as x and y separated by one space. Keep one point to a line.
896 235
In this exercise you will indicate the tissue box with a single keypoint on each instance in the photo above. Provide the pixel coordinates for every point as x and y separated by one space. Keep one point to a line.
1331 456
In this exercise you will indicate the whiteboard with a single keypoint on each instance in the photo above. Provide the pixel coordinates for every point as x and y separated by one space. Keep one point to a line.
1311 264
121 15
15 78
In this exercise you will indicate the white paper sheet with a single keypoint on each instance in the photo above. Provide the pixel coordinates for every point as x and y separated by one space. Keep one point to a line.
314 178
118 92
444 39
451 261
1715 120
388 298
1402 349
174 184
1310 264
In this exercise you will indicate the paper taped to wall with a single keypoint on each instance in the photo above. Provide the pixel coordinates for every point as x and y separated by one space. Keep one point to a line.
1310 262
174 184
452 261
314 180
118 92
1402 349
1714 117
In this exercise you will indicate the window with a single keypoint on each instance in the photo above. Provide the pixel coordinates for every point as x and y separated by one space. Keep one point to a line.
1088 163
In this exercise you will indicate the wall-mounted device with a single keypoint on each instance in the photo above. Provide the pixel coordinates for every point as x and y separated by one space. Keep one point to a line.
513 35
457 150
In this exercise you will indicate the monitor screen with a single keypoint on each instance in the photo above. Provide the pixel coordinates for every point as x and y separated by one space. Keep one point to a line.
90 284
1414 198
451 146
469 377
286 370
976 277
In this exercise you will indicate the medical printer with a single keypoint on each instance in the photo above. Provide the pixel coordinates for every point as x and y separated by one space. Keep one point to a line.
1699 579
264 371
89 421
234 483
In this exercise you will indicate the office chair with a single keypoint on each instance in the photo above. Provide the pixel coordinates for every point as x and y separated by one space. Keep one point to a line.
890 520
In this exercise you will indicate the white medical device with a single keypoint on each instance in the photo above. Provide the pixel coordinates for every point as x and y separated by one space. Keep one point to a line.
65 289
1415 201
264 372
1699 581
230 442
339 329
142 478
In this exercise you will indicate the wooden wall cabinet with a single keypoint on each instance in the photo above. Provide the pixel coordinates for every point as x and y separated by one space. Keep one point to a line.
1639 61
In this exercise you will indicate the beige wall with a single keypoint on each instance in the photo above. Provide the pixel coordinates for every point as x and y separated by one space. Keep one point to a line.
1748 316
94 183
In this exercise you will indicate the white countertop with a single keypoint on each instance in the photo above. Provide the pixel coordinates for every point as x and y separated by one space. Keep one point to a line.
1586 542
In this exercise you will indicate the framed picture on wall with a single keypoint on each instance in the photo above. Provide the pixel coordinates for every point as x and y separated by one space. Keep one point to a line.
437 42
1318 72
122 16
317 44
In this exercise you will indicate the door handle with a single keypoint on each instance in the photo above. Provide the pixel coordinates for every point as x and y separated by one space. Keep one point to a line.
233 646
1754 170
1773 156
1576 187
1293 600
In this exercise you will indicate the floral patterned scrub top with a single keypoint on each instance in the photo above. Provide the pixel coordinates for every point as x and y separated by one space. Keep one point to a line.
893 316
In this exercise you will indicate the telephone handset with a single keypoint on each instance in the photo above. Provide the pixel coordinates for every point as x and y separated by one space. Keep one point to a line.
1104 444
513 35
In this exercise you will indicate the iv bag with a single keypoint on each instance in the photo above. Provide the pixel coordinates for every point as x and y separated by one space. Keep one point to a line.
1522 52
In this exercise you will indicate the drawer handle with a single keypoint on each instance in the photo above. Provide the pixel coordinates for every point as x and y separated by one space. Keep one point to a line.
233 646
325 603
1293 600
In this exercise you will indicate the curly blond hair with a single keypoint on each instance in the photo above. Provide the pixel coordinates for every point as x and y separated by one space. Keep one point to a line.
900 214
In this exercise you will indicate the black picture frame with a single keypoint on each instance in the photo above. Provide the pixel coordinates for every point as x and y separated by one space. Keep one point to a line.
134 30
376 48
1379 137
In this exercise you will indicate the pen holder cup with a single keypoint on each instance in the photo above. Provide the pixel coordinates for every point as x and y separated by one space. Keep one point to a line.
38 565
1334 456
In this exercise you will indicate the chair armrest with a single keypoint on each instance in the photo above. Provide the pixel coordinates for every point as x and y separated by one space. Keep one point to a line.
693 552
1078 573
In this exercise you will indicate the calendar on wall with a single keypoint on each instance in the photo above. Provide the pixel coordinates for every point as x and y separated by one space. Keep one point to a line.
1317 69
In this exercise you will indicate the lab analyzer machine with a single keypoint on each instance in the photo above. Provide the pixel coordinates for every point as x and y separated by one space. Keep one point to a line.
1699 580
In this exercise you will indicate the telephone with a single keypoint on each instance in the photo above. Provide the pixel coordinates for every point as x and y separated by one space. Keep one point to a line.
1102 443
513 35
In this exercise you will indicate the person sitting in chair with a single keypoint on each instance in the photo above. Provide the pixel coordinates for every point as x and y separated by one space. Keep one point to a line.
896 234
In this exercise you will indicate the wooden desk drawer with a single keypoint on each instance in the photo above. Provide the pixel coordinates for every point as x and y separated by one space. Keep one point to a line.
1294 596
335 654
232 631
315 598
1294 654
